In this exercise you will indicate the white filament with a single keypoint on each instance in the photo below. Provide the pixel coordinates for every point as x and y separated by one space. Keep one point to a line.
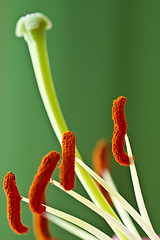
122 213
136 184
84 225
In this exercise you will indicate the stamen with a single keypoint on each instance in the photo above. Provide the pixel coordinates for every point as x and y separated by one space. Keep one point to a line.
101 162
120 129
67 167
41 179
41 227
13 204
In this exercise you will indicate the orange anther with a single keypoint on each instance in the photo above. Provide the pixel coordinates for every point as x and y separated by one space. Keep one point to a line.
13 204
41 179
67 167
41 227
101 162
120 129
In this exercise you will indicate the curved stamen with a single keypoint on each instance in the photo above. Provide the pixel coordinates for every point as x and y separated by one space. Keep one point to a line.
120 129
41 179
13 204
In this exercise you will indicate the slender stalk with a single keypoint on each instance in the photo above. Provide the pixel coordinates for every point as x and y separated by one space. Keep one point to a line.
32 29
136 184
122 213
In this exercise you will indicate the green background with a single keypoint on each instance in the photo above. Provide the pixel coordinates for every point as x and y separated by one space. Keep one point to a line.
98 50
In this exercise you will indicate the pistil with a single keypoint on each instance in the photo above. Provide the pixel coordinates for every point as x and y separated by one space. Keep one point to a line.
32 28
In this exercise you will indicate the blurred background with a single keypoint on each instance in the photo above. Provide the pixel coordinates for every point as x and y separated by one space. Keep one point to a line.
98 50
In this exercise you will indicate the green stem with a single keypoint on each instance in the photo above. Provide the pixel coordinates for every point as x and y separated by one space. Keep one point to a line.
32 29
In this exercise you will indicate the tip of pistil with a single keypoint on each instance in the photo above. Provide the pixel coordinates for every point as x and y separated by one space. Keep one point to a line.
30 22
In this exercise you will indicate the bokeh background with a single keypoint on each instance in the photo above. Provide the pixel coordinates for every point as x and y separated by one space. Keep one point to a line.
98 50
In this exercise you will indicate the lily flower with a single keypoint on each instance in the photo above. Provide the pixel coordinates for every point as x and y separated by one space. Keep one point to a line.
104 195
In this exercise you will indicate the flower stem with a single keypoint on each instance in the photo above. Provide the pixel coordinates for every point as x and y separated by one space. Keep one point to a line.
32 28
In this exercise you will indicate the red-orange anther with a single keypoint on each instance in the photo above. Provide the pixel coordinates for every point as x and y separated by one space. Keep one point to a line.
120 129
41 227
13 204
67 167
101 162
41 179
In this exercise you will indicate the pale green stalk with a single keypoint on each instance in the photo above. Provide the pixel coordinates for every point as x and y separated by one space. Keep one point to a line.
32 28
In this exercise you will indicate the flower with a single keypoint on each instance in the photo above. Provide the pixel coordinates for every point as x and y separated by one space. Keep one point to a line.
32 28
